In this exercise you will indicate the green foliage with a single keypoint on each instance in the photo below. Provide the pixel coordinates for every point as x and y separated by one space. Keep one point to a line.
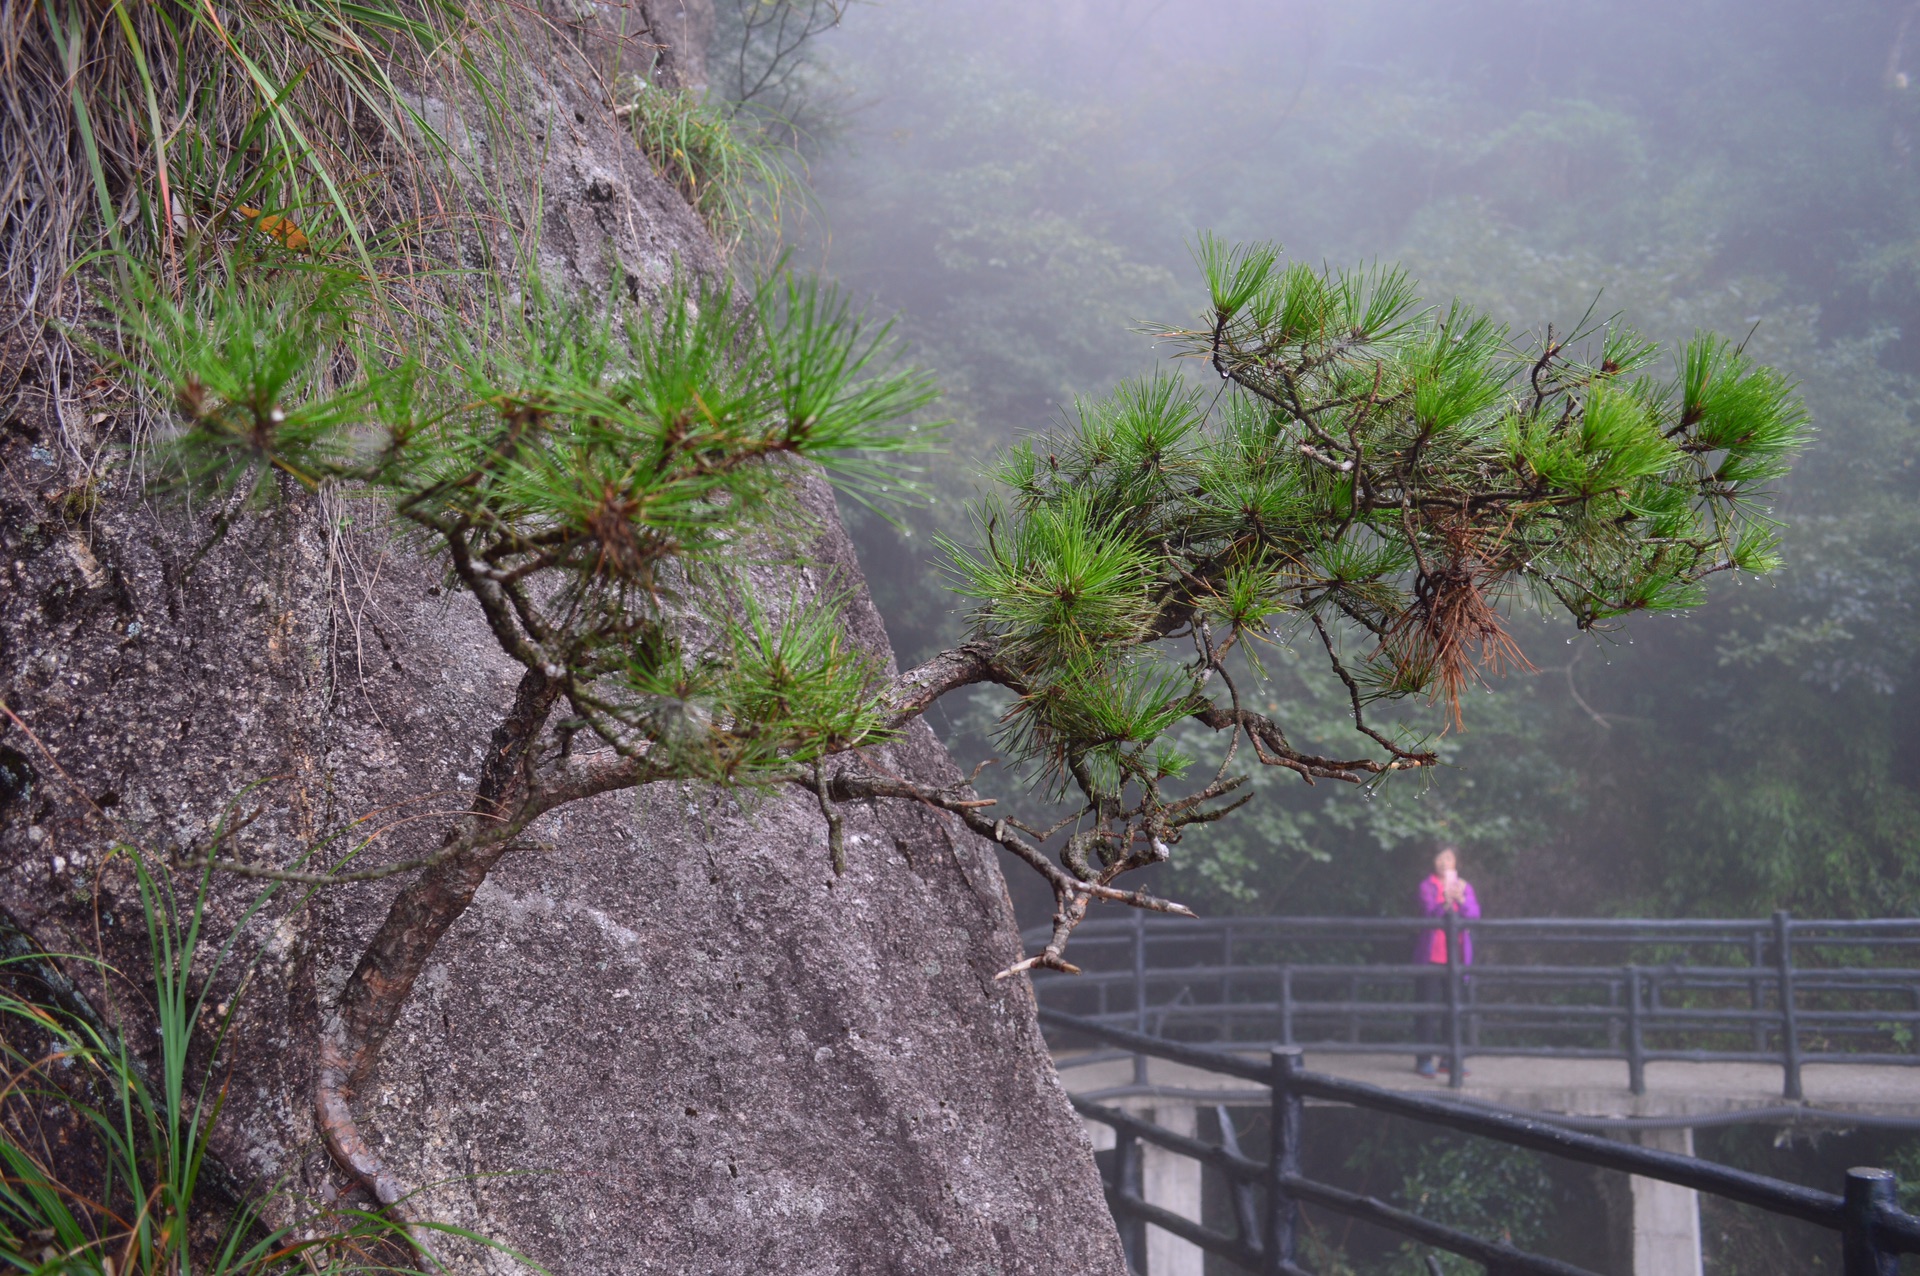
797 688
595 483
1399 472
127 1194
1495 1192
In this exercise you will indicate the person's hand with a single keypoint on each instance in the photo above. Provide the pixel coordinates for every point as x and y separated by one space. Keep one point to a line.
1456 892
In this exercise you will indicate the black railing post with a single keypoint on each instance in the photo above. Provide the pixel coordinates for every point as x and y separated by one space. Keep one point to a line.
1283 1162
1636 1046
1868 1191
1756 958
1789 1021
1286 1005
1128 1180
1456 1059
1140 991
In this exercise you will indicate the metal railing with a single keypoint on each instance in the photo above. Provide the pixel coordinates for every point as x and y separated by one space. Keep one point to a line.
1267 1196
1780 990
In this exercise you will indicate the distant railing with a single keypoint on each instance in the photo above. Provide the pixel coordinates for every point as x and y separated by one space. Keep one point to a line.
1781 990
1267 1196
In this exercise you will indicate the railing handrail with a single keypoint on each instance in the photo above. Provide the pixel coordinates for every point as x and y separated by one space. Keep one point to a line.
1871 1227
1606 926
1488 971
1659 989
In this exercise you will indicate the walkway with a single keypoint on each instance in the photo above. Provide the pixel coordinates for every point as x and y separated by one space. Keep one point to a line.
1643 1029
1570 1087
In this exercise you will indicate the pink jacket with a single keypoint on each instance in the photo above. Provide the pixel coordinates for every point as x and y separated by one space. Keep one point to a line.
1432 947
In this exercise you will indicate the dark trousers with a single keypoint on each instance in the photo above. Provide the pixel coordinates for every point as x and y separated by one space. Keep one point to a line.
1430 1026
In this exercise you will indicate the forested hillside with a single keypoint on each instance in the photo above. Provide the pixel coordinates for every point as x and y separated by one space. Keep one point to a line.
1023 185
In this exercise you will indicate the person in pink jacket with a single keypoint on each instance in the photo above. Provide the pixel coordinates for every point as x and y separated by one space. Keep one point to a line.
1442 893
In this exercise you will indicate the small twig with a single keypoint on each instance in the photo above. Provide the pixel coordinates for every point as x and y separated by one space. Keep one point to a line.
1353 694
836 829
1071 895
1580 699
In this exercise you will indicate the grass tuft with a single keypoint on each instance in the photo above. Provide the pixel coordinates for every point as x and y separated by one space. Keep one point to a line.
736 177
103 1151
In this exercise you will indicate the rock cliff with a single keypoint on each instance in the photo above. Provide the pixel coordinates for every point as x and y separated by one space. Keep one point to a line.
671 1040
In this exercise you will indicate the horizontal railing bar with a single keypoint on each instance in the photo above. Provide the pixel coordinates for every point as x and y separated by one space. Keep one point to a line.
1511 1015
1797 1115
1494 1255
1507 1017
1533 1012
1172 1051
1238 1167
1541 1009
1896 978
1185 1228
1897 1230
1341 1045
1106 927
1822 1208
1397 929
1338 1046
1534 1015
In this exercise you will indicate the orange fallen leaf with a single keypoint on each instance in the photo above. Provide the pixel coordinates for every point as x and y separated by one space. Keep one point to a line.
284 229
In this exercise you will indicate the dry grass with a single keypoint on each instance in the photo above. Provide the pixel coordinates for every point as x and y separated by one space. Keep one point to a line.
148 128
175 152
730 167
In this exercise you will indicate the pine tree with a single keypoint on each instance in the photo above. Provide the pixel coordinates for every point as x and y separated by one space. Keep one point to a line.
1382 479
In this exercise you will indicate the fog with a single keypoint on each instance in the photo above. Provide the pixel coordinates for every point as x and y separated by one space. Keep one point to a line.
1021 185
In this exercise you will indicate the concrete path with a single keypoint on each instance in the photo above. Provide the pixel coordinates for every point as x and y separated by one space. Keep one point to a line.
1574 1087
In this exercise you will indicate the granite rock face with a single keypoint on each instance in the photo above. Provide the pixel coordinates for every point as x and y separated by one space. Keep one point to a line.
717 1056
671 1041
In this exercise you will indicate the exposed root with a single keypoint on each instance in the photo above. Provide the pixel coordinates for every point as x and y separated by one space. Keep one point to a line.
333 1113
